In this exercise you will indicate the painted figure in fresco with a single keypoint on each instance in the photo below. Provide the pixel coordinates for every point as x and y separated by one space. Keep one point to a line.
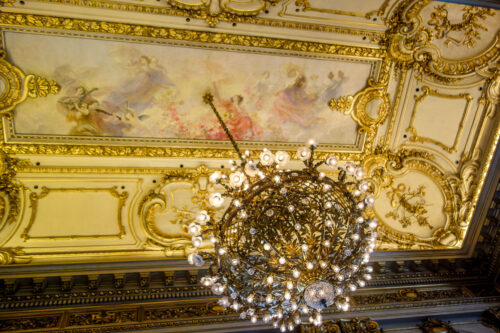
139 93
296 104
334 88
238 121
84 110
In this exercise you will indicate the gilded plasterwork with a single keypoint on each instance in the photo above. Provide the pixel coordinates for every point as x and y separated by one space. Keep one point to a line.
452 168
10 189
214 10
146 91
471 24
44 192
408 205
170 207
410 45
426 91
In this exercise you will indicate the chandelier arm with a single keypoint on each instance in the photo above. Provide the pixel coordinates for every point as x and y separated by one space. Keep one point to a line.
208 98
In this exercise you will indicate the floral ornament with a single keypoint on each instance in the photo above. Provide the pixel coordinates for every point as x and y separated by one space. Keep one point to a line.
216 199
251 169
331 161
202 217
282 158
266 157
236 179
303 153
194 229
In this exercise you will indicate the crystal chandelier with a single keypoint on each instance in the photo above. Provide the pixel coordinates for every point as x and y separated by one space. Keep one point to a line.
291 242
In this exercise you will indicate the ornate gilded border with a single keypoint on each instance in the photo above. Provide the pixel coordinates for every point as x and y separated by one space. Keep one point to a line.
426 91
68 26
36 197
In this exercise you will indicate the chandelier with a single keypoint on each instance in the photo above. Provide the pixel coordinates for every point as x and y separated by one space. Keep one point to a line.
290 243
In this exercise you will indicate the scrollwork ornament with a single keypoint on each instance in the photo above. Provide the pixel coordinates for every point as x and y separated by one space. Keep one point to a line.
410 46
9 256
383 168
15 86
214 11
157 200
10 189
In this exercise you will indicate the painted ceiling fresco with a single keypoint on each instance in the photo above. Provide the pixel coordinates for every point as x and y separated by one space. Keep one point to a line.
127 90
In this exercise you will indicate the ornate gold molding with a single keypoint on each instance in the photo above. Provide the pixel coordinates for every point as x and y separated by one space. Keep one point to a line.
10 189
15 86
426 91
71 26
357 105
409 44
157 201
9 256
35 197
384 167
306 6
470 24
258 20
215 10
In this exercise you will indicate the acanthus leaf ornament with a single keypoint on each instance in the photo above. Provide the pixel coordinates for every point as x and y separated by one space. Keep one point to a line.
15 86
10 188
410 44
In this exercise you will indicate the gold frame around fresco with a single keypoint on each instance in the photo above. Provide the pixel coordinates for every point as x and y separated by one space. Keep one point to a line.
21 22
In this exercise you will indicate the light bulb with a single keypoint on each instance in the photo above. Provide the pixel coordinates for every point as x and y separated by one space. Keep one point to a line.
362 283
267 246
196 241
289 284
282 260
287 295
326 243
253 319
359 173
329 223
310 265
235 261
294 306
250 299
296 273
270 279
336 269
304 247
269 299
222 251
352 287
323 264
331 161
369 269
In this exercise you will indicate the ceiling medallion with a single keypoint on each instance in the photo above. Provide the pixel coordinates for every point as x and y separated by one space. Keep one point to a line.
291 242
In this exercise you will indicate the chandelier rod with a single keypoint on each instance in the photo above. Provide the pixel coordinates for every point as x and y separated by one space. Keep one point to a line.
208 98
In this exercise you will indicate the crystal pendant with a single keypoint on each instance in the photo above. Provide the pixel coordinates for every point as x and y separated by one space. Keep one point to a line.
319 295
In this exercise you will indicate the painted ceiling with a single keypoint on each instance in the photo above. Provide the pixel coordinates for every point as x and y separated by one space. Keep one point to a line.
107 144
